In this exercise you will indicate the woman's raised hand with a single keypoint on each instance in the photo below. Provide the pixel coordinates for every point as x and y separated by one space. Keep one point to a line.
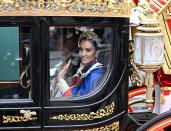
63 71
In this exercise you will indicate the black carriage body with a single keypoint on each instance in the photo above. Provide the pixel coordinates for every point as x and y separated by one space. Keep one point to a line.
105 109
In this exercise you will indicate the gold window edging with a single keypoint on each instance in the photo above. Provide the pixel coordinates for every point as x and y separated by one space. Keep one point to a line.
106 111
97 8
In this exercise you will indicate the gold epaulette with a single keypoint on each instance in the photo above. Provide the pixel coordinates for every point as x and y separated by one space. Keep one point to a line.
162 96
166 88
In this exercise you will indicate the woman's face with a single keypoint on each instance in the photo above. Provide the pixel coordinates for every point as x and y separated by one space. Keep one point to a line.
87 51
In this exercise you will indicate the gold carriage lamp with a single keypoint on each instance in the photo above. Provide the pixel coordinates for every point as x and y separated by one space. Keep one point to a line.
149 51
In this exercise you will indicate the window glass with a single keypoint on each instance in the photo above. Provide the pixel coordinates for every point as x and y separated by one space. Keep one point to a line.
79 59
15 49
9 37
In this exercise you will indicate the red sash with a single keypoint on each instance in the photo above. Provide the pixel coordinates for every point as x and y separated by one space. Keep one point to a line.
164 80
74 81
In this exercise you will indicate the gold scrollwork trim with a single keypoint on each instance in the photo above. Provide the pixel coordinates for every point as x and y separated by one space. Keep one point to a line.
106 111
64 8
167 12
112 127
15 119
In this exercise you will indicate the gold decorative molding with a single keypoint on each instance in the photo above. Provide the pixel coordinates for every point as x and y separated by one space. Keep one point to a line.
15 119
101 8
112 127
167 13
131 4
106 111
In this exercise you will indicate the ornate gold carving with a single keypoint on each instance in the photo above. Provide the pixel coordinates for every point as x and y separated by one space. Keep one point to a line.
28 114
167 12
106 111
131 4
15 119
166 15
112 127
104 8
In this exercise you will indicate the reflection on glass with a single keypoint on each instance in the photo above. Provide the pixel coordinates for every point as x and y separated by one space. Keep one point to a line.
15 62
78 59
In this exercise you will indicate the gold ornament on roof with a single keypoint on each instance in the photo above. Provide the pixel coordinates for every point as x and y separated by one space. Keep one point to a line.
149 13
149 22
101 8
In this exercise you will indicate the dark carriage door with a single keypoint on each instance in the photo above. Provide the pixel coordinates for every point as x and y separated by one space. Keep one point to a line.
20 95
32 52
104 107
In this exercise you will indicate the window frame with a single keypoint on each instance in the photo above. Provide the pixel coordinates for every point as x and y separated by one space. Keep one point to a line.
82 100
34 61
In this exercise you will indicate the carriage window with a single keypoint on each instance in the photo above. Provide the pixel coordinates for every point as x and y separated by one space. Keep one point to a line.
15 79
79 58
